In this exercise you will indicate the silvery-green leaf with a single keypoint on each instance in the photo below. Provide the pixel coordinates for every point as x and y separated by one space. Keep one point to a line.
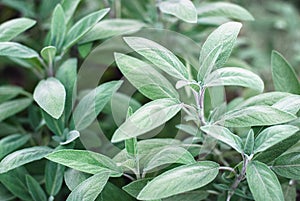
35 190
225 35
289 192
255 116
74 177
8 92
54 174
159 56
183 9
71 136
69 7
273 135
48 53
249 143
12 49
287 83
179 180
12 107
224 135
231 76
23 156
148 117
288 165
289 104
12 28
263 183
11 143
89 189
145 78
58 27
110 28
85 161
224 9
50 95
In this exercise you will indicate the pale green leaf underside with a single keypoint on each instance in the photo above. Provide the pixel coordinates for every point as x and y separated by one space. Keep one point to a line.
12 49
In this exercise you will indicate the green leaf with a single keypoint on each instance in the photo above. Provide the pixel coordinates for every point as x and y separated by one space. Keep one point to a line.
58 27
90 188
197 195
70 137
135 187
287 83
23 156
67 75
8 92
145 78
11 143
35 190
224 135
12 28
131 144
159 56
12 49
148 117
69 6
289 192
110 28
5 195
289 104
169 155
50 95
83 26
55 125
249 144
54 174
183 9
273 135
181 179
13 107
224 9
85 161
112 193
92 104
73 178
263 183
48 53
15 182
255 116
288 165
225 35
231 76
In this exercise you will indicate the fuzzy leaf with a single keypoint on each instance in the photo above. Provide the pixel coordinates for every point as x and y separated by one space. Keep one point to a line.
10 108
288 165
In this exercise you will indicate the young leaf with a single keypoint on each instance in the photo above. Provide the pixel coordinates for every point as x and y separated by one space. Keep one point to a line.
249 144
288 165
69 6
181 179
225 35
92 104
67 75
145 78
12 28
273 135
73 178
12 49
11 143
287 83
54 174
71 136
48 53
289 104
55 125
23 156
85 161
159 56
58 27
10 108
263 183
110 28
224 135
255 116
231 76
148 117
50 95
8 92
35 190
224 9
183 9
170 155
89 189
83 26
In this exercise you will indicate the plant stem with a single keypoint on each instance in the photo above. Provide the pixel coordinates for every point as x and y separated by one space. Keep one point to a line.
228 169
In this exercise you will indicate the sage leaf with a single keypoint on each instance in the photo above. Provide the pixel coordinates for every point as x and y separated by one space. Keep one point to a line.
69 7
148 117
50 95
179 180
48 53
288 165
13 107
273 135
58 27
183 9
23 156
159 56
145 78
11 143
263 183
35 190
16 50
54 174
